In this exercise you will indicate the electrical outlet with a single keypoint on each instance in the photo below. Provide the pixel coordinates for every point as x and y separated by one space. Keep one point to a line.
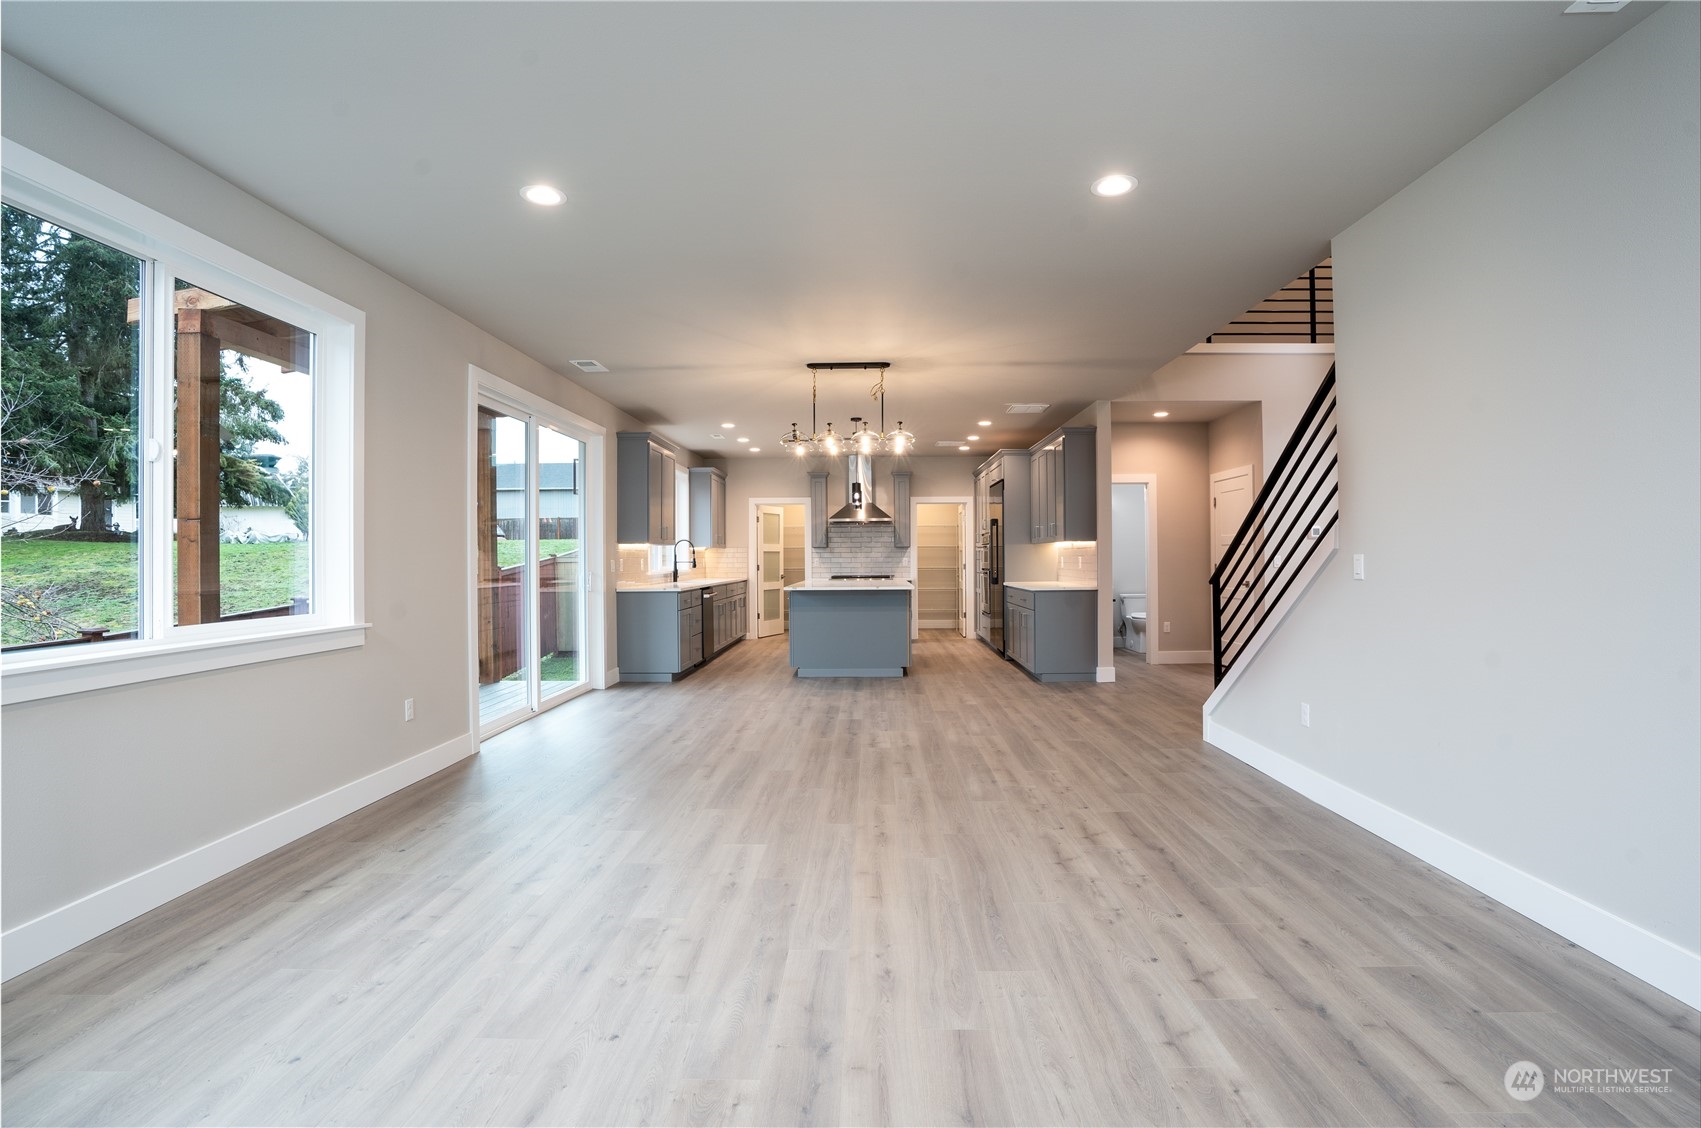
1166 626
1305 714
407 709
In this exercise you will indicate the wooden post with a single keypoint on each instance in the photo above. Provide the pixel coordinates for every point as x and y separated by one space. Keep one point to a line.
489 572
197 471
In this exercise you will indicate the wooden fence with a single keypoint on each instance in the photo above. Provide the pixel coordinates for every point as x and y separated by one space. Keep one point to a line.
548 528
500 603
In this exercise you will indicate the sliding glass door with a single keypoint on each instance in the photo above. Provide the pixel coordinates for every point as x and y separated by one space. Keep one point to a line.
530 567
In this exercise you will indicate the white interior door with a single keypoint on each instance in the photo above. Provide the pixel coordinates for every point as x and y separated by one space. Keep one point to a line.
770 570
1231 497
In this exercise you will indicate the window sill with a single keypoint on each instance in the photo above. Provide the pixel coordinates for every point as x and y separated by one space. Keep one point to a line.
104 666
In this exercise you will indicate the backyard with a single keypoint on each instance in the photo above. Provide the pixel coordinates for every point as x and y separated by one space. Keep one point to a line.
52 588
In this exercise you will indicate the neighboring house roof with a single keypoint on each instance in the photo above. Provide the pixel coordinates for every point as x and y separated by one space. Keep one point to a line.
551 476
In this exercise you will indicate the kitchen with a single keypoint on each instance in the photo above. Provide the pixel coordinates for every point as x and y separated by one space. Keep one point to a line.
856 608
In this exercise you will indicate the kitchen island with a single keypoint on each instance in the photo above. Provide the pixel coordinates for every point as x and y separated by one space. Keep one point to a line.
850 628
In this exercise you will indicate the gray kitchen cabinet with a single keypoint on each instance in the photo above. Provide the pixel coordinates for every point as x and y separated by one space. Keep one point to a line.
1062 478
730 607
1052 633
708 507
901 509
645 499
818 508
659 634
1015 469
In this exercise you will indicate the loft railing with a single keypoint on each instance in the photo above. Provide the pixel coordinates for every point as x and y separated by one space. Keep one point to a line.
1289 520
1301 312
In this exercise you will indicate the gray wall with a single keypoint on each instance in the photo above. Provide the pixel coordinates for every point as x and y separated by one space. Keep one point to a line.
1281 383
1237 439
105 785
1178 455
1519 464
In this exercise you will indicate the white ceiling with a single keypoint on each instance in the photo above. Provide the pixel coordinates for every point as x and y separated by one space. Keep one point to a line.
755 186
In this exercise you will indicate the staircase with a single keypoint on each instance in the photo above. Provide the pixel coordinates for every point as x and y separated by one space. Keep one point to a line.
1291 519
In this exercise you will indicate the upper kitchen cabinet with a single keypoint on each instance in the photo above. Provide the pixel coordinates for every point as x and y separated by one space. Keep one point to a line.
818 509
901 509
1062 492
708 507
646 491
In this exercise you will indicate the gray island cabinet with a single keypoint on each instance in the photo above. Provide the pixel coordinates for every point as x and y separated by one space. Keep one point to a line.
850 628
1050 630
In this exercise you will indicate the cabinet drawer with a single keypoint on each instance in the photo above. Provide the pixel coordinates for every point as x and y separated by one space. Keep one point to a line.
1016 597
690 599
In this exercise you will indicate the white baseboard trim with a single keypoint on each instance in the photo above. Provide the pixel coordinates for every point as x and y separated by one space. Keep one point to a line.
611 676
1178 657
1106 673
57 932
1650 958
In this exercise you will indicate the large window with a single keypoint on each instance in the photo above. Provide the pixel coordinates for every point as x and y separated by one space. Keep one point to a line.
178 432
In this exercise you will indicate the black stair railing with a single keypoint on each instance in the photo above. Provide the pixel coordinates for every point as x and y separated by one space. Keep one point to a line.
1289 520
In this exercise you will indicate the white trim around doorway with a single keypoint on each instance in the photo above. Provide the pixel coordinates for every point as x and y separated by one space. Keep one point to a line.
965 557
754 553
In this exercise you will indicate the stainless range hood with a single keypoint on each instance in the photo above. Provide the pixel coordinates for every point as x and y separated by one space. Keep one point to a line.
859 491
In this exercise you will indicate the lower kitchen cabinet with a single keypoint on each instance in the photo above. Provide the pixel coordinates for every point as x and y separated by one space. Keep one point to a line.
1052 632
660 633
663 633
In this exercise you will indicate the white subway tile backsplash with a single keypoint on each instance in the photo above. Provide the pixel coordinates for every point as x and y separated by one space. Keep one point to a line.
860 550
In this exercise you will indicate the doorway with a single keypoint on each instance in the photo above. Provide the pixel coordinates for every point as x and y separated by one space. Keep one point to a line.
941 595
532 513
1130 565
778 560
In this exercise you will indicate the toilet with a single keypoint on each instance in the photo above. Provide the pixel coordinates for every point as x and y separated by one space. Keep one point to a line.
1134 621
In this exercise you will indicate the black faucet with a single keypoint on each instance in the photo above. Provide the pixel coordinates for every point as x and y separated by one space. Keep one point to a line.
687 544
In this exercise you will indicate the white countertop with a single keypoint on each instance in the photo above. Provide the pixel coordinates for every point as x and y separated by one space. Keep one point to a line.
682 585
851 585
1048 585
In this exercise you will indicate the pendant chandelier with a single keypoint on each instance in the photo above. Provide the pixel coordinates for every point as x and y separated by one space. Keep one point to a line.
862 439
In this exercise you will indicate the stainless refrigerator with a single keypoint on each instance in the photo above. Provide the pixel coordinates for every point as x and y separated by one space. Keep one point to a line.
989 578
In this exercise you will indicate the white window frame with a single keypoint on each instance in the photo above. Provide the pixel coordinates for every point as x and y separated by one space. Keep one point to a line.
170 250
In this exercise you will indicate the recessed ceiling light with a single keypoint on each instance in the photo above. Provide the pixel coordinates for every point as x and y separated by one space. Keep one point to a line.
984 423
743 439
962 448
729 426
1116 184
543 195
974 438
1160 415
755 450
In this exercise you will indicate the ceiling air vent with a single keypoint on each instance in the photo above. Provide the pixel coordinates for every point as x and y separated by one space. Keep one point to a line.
587 366
1025 408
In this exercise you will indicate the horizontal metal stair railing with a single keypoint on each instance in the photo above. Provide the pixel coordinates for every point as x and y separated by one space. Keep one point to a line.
1289 520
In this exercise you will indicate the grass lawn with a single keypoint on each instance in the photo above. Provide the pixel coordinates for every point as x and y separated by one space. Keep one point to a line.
554 668
88 584
512 552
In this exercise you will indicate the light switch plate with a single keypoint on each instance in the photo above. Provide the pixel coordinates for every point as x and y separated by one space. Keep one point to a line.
1358 565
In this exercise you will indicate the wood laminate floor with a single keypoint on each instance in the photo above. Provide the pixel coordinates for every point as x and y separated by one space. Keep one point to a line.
956 898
